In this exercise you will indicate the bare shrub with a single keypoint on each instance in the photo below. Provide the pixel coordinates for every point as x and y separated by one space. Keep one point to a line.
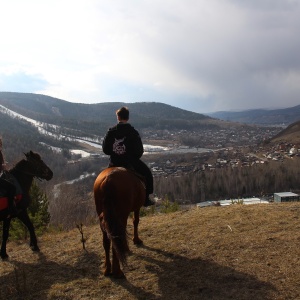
73 204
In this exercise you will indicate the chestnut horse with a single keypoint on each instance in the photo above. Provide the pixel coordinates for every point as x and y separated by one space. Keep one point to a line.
22 175
117 192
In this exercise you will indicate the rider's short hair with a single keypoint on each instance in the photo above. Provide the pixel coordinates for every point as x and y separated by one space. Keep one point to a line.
123 113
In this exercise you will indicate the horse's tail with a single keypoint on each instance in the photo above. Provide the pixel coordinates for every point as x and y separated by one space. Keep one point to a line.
115 229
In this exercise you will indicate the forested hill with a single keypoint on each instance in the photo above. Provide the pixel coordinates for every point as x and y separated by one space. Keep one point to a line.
101 115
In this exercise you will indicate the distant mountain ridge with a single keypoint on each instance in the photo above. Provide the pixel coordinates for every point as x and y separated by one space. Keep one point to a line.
52 110
283 116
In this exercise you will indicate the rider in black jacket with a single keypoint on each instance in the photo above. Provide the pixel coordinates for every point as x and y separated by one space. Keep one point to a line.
124 145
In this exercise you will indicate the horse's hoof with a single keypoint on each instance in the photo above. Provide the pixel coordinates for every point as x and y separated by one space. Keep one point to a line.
107 273
138 242
4 256
120 275
35 248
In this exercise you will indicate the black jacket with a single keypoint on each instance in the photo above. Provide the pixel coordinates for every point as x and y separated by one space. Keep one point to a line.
123 143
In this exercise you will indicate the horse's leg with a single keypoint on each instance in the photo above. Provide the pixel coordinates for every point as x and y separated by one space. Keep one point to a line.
106 246
136 220
5 235
23 216
116 270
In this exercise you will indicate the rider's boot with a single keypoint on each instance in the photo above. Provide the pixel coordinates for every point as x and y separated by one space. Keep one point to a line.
148 201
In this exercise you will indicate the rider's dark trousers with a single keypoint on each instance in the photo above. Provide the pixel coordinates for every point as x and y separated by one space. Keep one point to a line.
144 170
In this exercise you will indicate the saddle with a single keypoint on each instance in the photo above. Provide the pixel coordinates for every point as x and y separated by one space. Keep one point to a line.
130 168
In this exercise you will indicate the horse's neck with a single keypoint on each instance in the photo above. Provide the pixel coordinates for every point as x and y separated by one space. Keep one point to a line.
23 179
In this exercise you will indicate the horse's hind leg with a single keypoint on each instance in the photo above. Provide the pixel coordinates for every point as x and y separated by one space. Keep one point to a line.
106 246
114 267
116 270
6 224
136 220
23 216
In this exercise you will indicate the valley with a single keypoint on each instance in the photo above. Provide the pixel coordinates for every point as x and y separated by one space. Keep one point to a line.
193 157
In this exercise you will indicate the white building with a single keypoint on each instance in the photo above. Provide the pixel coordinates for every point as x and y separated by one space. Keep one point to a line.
286 197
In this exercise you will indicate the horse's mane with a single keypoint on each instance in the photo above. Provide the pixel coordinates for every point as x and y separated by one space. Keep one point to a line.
17 166
29 155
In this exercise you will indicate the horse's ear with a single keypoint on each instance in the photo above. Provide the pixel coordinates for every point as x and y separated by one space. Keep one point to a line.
27 154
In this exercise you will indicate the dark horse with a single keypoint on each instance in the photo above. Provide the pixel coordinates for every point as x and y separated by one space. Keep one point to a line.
118 192
24 172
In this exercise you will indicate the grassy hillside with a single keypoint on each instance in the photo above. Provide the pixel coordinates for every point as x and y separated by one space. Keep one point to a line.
290 134
235 252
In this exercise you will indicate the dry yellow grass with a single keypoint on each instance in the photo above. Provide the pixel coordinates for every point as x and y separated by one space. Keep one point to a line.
236 252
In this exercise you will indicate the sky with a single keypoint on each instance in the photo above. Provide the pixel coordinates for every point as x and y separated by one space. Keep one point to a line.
198 55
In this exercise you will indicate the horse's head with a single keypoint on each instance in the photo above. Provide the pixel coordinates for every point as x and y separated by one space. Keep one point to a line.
37 167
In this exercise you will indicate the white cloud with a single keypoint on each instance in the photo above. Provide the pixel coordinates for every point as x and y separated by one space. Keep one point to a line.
195 54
